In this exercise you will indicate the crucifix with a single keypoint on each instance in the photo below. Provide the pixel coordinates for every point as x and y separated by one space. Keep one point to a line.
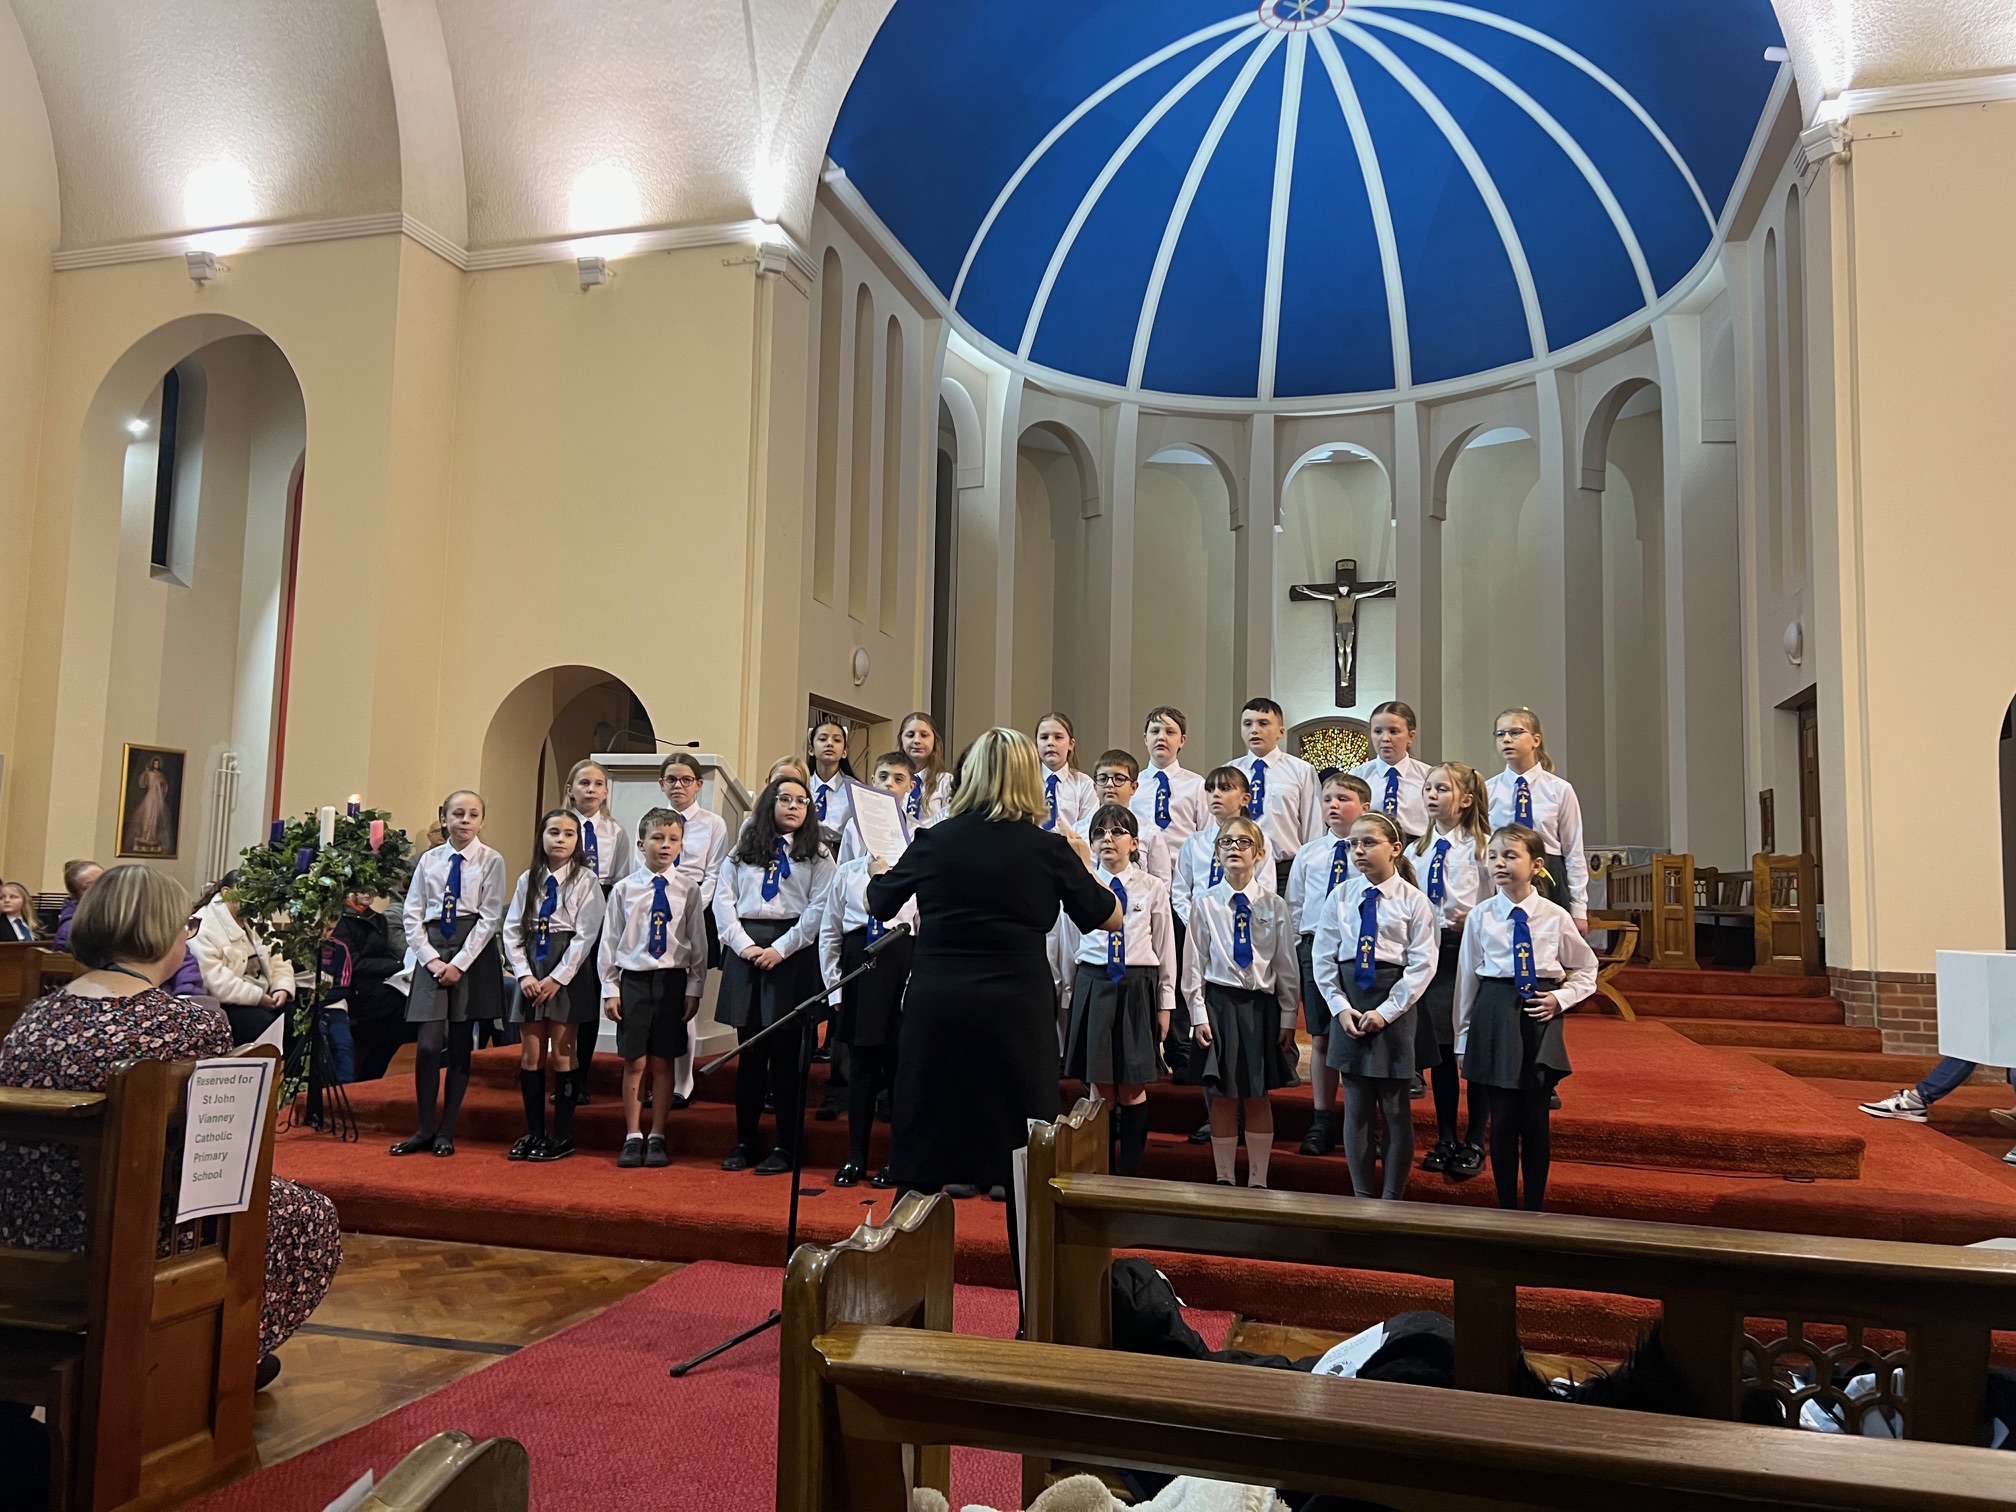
1343 595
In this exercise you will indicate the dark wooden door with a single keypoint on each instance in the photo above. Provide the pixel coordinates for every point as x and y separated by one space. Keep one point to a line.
1809 793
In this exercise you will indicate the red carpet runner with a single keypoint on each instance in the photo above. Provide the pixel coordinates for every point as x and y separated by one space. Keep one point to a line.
606 1427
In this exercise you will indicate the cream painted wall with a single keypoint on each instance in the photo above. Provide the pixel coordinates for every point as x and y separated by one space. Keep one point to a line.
1914 554
1490 653
1183 551
1334 510
28 233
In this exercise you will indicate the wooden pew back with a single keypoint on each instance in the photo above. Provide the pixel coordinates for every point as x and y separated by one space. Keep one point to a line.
1406 1447
1660 895
1785 912
28 969
153 1358
1946 1301
895 1274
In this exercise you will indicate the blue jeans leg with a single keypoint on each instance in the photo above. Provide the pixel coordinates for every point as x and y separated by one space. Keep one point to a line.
342 1052
1950 1073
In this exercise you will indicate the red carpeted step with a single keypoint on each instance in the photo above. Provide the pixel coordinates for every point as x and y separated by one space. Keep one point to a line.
1767 1034
1843 1065
1784 1010
1635 979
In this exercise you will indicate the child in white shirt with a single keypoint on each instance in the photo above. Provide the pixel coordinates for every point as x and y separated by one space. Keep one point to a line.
1321 867
550 936
1283 798
1393 774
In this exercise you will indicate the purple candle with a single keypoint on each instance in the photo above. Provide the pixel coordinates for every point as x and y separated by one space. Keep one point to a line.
355 806
303 859
279 831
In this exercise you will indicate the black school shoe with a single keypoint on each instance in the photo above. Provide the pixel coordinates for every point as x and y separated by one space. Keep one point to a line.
654 1152
1437 1159
551 1149
1465 1163
738 1159
1319 1140
679 1100
527 1147
961 1190
849 1175
632 1155
1417 1089
830 1109
776 1163
882 1181
1201 1134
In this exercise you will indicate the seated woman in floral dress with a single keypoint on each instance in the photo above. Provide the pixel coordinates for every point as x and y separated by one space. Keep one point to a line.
131 929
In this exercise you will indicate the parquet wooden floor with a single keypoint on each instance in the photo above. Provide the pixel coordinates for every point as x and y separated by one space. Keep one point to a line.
407 1316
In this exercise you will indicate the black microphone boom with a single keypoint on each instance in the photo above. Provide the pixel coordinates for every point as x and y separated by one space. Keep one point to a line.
889 937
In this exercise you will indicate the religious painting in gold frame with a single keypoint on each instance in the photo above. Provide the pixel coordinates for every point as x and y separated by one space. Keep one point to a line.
150 803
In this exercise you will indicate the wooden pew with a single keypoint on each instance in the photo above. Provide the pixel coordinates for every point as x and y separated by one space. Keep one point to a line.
1785 896
452 1472
28 969
1659 896
895 1274
1623 932
144 1365
1945 1301
876 1408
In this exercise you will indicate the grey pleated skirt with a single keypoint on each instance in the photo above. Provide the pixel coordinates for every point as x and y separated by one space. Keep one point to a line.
753 999
480 993
1435 1014
1508 1047
1245 1058
579 1002
1387 1055
1110 1036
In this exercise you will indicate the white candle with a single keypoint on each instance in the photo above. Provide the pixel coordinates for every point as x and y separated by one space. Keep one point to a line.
328 824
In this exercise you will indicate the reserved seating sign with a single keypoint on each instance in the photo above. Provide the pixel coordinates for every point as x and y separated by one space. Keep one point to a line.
220 1140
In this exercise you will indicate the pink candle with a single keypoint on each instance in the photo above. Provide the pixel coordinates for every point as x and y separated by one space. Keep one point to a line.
377 833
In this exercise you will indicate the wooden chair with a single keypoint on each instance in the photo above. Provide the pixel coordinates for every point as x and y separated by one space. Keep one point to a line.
1920 1314
1623 931
872 1410
452 1472
1786 915
1660 896
897 1274
144 1366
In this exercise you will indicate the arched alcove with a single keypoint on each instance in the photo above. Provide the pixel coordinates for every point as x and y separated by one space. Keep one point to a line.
543 726
1490 558
176 599
1184 579
1337 505
1055 481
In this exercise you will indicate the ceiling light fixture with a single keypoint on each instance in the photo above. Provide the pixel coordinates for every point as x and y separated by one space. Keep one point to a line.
136 427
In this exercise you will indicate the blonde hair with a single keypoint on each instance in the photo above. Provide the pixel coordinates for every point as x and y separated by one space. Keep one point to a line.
1476 820
1531 720
1241 822
1001 778
132 913
584 765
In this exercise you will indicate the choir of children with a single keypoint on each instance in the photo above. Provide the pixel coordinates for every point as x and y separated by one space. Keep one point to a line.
1424 921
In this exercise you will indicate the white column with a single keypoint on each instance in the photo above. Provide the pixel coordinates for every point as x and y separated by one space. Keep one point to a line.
1007 446
1256 515
1418 518
1109 665
1555 397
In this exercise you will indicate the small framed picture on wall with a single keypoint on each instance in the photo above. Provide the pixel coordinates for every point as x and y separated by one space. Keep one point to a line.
150 803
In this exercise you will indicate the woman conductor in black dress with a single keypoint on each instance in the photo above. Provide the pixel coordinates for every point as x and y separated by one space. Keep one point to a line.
978 1054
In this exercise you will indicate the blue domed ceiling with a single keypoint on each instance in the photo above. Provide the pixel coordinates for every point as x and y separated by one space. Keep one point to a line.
1303 198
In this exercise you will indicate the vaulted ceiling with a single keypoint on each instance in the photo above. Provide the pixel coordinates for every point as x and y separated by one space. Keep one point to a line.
497 123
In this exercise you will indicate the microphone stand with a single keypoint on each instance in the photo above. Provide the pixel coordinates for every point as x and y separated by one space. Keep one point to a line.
808 1007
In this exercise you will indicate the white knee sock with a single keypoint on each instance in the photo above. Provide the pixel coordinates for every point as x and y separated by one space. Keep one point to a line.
1225 1155
682 1075
1259 1150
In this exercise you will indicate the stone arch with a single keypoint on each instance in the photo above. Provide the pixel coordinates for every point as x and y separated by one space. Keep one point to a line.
119 632
538 730
969 436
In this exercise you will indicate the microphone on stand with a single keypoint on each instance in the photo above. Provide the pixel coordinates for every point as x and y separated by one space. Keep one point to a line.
889 937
